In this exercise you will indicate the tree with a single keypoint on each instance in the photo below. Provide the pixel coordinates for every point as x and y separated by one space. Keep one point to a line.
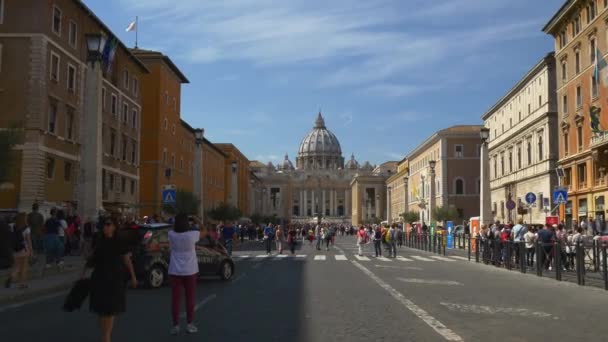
185 203
410 216
224 212
445 213
9 138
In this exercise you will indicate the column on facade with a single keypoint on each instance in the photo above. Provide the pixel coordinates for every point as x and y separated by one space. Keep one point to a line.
388 205
301 203
312 201
323 204
378 200
335 206
305 203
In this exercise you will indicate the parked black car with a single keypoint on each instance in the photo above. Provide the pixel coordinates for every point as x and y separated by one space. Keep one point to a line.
151 256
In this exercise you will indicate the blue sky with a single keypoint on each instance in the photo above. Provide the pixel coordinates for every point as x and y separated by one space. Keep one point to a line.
386 73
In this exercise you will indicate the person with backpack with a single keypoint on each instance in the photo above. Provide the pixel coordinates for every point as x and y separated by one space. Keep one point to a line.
35 221
361 239
292 239
268 237
279 239
391 237
378 241
22 248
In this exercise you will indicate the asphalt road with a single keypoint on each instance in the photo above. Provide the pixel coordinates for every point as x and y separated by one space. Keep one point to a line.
343 298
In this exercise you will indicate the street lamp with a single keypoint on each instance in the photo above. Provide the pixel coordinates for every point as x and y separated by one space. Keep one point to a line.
405 193
95 45
432 164
388 204
198 178
198 135
485 211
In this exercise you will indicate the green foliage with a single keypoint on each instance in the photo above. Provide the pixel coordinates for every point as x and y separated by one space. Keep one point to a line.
264 219
445 213
410 216
9 138
224 212
185 203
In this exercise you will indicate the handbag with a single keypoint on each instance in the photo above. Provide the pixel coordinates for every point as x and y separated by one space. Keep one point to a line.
79 292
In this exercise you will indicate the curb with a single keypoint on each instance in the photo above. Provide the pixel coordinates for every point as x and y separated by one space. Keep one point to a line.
33 294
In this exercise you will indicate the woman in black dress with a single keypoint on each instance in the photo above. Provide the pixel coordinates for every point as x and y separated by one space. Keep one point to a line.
110 261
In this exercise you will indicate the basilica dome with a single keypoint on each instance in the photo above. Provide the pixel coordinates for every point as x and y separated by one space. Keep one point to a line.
320 149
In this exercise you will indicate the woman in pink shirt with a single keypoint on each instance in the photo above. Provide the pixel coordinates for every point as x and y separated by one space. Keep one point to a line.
183 270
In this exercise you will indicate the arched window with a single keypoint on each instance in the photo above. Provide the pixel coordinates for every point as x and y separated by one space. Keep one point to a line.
459 186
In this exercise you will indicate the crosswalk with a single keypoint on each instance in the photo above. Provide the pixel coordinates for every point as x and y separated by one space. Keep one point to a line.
355 257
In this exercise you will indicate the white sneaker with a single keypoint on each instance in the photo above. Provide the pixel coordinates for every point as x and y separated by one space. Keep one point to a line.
175 330
191 328
550 268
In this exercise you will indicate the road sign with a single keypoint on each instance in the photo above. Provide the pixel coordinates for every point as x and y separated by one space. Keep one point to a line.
169 196
530 198
450 238
551 220
510 204
560 196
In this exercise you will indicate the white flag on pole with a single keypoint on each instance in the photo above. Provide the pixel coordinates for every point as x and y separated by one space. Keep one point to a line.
132 27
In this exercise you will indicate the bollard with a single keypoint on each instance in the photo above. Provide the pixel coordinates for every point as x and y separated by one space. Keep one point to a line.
604 264
580 263
596 258
477 245
557 251
523 266
507 255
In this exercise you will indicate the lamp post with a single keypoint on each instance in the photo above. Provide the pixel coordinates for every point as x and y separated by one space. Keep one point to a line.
484 198
388 205
198 170
432 196
405 194
90 191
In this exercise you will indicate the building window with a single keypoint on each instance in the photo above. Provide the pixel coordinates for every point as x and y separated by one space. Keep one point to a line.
111 185
125 78
579 137
582 175
52 118
540 146
576 25
113 143
173 160
71 78
563 39
133 151
459 186
174 104
540 100
519 157
67 172
57 20
1 11
167 98
564 71
50 168
529 152
165 124
459 151
565 104
579 97
123 147
577 62
54 67
134 118
69 124
592 51
519 116
125 113
502 164
181 163
135 83
123 184
103 99
114 105
73 34
591 11
495 167
594 90
132 187
529 108
164 156
511 161
566 144
173 129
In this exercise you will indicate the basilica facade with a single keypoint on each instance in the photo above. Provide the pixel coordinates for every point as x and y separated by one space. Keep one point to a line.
322 186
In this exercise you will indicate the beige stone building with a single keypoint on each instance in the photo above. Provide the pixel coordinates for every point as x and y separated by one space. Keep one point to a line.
80 131
397 189
455 153
523 145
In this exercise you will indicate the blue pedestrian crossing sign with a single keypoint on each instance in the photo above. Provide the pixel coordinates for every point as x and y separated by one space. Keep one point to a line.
560 196
530 198
169 196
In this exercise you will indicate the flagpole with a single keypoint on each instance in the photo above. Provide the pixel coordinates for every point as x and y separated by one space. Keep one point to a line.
136 29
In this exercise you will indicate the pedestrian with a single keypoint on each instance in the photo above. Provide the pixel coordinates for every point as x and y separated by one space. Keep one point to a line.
517 235
35 221
392 240
570 250
228 235
268 236
279 239
318 237
311 237
63 226
107 296
292 239
530 242
361 239
52 245
183 270
378 242
22 245
546 237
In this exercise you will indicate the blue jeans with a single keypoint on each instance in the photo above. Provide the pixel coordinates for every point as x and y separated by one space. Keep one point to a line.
378 247
318 242
53 248
392 249
229 246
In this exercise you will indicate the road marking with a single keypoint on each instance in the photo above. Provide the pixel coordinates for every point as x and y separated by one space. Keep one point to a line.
319 257
361 258
442 258
459 257
488 310
32 301
403 259
399 267
301 256
431 282
431 321
341 257
201 303
381 258
421 258
282 255
243 256
262 256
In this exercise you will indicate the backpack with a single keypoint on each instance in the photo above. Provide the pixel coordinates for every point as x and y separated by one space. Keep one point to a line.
19 240
387 236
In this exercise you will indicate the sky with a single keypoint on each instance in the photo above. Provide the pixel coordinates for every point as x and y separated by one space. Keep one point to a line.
386 74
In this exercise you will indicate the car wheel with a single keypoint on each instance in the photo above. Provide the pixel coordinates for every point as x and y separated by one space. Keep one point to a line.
226 270
155 277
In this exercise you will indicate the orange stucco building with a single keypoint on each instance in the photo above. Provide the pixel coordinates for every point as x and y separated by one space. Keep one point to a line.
168 143
236 178
214 175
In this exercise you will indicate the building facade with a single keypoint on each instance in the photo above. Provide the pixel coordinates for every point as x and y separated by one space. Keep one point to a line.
214 175
168 143
581 33
397 189
320 187
236 178
523 146
453 155
45 89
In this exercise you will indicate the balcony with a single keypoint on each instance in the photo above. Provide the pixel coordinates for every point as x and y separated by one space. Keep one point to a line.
600 181
599 139
582 185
